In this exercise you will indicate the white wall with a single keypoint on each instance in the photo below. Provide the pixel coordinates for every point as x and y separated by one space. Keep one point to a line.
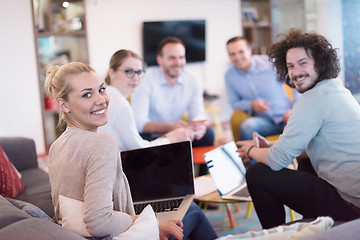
19 92
116 24
321 16
112 24
329 24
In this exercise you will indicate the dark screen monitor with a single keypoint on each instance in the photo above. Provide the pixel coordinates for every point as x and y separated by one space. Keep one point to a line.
191 32
158 172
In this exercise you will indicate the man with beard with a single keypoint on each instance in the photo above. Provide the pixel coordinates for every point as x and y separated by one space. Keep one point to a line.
325 122
166 93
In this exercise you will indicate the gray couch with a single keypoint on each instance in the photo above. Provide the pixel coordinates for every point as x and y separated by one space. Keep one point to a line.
22 153
24 217
31 214
16 223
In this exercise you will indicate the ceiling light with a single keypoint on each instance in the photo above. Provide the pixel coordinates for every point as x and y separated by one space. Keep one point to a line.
65 4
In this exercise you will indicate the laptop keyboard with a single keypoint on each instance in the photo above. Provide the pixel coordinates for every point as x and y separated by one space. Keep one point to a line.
159 206
242 193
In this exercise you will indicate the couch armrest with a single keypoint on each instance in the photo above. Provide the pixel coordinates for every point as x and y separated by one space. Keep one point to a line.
236 119
21 152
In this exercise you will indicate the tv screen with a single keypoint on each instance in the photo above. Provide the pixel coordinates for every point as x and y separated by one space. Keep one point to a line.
191 32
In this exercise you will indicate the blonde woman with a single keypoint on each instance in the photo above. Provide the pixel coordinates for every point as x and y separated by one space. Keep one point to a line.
90 192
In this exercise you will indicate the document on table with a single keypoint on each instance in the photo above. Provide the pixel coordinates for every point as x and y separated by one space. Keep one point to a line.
203 186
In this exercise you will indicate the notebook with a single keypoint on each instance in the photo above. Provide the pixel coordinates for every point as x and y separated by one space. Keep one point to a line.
228 172
162 176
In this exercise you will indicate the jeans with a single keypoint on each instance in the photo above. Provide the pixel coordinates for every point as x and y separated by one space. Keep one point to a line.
303 192
264 127
196 225
206 140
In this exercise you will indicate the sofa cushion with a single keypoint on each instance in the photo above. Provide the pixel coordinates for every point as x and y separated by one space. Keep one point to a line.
9 213
36 228
21 152
37 190
10 183
29 208
17 224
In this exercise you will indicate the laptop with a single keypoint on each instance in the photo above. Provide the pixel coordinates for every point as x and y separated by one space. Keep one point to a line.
228 172
162 176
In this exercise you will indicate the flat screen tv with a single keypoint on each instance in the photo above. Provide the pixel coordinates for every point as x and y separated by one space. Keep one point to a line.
191 32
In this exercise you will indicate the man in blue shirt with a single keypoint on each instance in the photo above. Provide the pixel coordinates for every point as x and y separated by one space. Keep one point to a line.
253 87
166 93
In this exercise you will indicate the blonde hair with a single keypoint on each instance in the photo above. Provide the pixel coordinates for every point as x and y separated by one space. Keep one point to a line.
57 83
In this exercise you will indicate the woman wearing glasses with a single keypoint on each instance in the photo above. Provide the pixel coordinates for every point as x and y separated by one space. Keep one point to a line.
125 72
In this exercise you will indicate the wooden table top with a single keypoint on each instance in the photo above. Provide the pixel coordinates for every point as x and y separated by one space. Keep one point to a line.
214 197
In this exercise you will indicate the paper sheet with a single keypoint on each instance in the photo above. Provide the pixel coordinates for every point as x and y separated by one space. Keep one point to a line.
203 186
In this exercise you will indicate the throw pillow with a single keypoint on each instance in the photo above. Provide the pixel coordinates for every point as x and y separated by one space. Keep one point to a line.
145 226
295 231
10 183
72 212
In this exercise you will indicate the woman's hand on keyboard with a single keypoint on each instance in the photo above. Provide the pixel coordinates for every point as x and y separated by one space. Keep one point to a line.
171 228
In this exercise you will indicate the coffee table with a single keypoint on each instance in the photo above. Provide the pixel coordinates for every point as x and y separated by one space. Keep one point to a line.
214 197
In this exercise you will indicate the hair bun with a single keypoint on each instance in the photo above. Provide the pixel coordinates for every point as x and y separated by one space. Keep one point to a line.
50 74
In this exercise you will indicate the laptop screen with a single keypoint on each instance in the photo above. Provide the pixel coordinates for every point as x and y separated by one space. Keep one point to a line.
226 167
159 172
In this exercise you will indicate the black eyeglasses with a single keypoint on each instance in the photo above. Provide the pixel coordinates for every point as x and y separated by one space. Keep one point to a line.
131 73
